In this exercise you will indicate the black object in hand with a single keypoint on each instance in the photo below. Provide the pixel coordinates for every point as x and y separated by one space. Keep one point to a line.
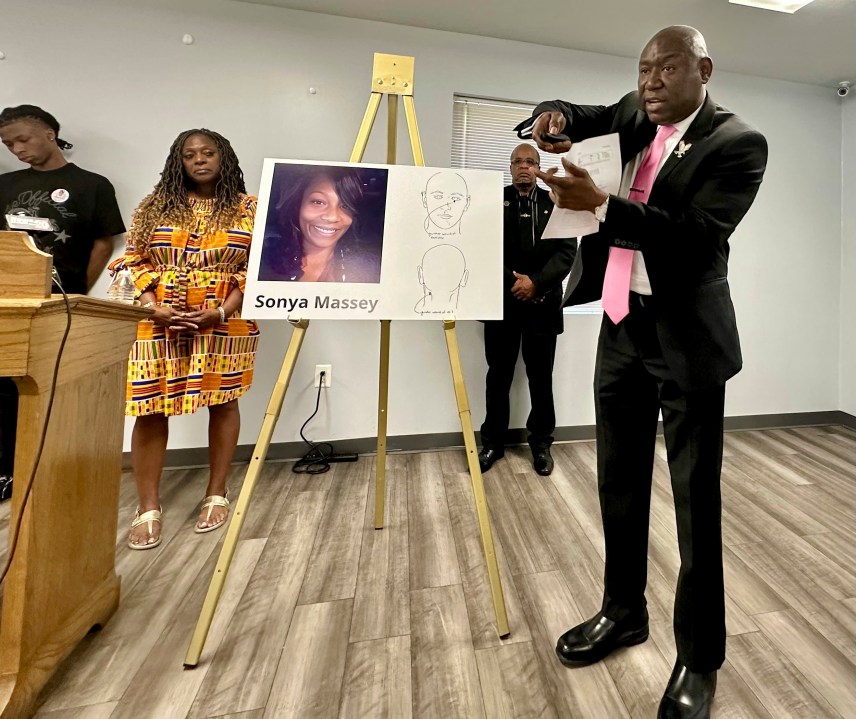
554 139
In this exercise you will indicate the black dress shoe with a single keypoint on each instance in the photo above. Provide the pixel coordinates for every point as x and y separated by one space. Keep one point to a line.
487 457
593 640
688 695
543 461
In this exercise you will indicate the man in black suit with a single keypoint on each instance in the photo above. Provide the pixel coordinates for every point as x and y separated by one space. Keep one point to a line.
668 341
532 315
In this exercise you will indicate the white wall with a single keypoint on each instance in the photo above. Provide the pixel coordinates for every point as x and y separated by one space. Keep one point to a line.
847 366
123 85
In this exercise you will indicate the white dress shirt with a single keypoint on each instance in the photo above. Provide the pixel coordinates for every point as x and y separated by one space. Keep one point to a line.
639 282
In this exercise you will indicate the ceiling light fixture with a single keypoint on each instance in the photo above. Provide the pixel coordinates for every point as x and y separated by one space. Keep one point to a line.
788 6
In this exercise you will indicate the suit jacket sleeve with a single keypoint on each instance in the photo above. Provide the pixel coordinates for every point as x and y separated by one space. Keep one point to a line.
690 214
581 121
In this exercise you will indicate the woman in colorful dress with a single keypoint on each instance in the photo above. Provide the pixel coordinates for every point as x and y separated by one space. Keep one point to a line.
187 249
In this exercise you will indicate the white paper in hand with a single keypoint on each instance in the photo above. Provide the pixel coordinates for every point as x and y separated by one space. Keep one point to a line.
601 156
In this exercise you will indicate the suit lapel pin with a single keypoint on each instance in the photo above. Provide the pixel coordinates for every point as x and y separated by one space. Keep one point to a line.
683 148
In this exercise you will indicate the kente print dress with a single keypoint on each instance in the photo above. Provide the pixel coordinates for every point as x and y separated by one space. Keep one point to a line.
192 268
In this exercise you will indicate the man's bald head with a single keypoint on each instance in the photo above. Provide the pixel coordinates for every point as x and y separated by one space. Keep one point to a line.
689 37
673 69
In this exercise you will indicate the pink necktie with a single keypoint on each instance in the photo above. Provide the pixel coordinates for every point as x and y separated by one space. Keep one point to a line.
616 281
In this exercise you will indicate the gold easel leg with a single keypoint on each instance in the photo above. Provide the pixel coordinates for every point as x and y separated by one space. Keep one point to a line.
383 379
253 471
391 129
382 404
476 476
366 127
413 131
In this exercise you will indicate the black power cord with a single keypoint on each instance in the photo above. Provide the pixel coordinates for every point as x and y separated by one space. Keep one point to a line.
317 459
28 487
320 455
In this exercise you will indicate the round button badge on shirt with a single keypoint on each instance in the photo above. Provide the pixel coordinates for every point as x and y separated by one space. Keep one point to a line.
60 195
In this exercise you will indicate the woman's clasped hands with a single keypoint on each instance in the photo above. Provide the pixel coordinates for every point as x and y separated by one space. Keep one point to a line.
185 322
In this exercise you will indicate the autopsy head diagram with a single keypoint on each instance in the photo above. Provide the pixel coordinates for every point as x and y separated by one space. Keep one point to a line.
446 199
442 273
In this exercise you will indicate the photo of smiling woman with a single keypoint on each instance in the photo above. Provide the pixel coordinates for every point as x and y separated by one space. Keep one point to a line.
324 224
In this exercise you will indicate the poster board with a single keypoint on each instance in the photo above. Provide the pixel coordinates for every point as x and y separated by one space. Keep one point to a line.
360 241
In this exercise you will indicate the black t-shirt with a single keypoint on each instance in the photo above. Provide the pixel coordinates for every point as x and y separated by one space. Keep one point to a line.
81 207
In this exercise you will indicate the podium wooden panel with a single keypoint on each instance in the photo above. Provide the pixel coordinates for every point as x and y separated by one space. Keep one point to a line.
62 581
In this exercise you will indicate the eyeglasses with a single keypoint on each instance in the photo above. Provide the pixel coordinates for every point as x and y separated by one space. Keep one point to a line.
528 161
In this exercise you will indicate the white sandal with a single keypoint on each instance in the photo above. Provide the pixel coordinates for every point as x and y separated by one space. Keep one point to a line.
209 503
149 518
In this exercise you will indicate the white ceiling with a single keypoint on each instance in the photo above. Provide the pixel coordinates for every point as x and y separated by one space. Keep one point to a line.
816 45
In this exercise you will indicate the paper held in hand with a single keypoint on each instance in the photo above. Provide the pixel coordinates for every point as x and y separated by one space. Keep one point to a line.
601 156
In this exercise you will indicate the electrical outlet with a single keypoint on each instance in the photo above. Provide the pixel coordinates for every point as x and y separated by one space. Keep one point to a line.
327 369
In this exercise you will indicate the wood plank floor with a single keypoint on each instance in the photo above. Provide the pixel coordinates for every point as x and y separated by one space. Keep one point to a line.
323 616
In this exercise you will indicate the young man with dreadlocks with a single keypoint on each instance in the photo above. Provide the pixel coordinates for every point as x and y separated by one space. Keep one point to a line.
188 248
70 212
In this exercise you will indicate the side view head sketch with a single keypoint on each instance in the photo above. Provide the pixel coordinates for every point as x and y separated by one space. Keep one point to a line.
442 273
314 227
446 199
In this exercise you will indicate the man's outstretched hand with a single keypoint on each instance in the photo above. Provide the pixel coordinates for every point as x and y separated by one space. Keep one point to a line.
550 123
575 190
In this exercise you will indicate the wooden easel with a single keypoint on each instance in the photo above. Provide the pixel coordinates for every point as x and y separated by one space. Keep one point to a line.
392 75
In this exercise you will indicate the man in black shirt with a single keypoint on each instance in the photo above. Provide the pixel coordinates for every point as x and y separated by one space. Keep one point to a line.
70 213
532 315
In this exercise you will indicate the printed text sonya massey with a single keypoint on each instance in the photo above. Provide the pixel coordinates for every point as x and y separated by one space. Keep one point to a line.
321 302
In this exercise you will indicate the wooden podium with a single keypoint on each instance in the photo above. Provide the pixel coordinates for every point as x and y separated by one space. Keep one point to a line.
62 580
